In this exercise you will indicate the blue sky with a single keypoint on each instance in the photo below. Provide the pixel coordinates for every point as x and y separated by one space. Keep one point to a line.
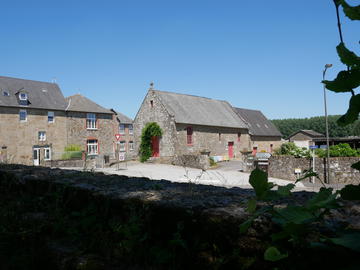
266 55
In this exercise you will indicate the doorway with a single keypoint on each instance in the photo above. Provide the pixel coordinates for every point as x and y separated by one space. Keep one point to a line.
231 149
36 156
155 146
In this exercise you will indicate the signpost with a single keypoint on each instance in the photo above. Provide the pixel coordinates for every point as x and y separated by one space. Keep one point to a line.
313 147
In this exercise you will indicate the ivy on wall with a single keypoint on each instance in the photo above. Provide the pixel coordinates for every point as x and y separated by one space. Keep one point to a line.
150 130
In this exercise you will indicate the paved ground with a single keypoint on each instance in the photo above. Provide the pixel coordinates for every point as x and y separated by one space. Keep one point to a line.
226 175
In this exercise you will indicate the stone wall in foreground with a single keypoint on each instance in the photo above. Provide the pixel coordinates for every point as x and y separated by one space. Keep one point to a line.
340 168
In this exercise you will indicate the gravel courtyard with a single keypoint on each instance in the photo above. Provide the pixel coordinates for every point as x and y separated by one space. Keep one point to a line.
226 175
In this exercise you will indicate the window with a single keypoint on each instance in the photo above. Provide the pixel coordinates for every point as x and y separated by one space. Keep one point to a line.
271 148
92 147
47 153
219 137
122 129
131 129
51 117
189 133
23 96
131 146
23 116
91 121
122 146
151 103
239 137
42 136
6 93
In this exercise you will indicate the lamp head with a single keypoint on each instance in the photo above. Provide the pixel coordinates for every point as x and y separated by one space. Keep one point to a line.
328 65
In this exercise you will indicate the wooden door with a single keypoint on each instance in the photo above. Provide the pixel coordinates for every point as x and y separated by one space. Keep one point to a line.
231 149
155 146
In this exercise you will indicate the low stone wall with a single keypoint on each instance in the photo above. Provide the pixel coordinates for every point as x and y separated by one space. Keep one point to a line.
340 168
192 161
65 163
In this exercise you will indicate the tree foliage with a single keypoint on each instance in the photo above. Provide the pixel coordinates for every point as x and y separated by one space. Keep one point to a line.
150 130
292 125
290 149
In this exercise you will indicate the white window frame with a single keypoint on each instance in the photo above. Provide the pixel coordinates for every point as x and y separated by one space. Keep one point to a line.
51 114
122 130
131 129
23 120
131 146
92 147
122 146
42 136
23 98
91 121
47 150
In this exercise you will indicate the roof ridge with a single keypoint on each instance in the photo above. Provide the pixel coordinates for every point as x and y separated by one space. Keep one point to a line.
185 94
7 77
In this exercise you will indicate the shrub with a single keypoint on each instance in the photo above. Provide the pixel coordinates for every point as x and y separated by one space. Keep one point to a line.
72 151
290 149
339 150
150 130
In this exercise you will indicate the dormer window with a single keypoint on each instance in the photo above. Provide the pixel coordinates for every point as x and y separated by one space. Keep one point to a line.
23 96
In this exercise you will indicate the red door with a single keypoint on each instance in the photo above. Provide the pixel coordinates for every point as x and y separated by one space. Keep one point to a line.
155 146
231 149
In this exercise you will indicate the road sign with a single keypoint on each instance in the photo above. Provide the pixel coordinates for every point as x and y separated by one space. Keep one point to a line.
117 137
121 156
313 146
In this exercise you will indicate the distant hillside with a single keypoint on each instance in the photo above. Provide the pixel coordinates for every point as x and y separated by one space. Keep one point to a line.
291 125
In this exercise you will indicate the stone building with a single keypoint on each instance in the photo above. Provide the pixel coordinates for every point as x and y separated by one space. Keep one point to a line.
126 142
91 126
264 136
191 125
37 123
304 137
32 116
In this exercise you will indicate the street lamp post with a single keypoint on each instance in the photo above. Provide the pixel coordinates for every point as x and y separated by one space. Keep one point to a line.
327 129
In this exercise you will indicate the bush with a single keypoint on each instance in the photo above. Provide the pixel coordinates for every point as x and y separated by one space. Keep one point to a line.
72 151
290 149
339 150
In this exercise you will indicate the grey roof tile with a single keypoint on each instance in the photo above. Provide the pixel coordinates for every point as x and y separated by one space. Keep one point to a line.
79 103
311 133
41 95
196 110
123 118
258 124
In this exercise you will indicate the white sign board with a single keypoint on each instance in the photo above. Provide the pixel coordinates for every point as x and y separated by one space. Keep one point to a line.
121 156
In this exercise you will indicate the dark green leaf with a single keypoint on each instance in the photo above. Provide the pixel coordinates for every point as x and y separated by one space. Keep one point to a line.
345 81
251 206
350 192
352 12
285 191
325 198
347 57
245 225
290 230
356 166
309 173
352 113
349 240
294 214
259 181
273 254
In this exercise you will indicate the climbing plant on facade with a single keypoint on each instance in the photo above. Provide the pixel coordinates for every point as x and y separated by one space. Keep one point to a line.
150 130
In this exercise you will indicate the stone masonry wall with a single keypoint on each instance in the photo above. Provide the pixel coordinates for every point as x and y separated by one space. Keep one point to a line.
105 132
208 138
340 168
156 113
18 138
263 143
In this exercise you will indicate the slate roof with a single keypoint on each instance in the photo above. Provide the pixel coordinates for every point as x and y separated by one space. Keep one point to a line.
123 118
41 95
188 109
258 124
311 133
79 103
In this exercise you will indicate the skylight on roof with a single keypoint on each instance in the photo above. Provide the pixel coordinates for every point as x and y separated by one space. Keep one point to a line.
6 93
44 90
23 96
266 125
